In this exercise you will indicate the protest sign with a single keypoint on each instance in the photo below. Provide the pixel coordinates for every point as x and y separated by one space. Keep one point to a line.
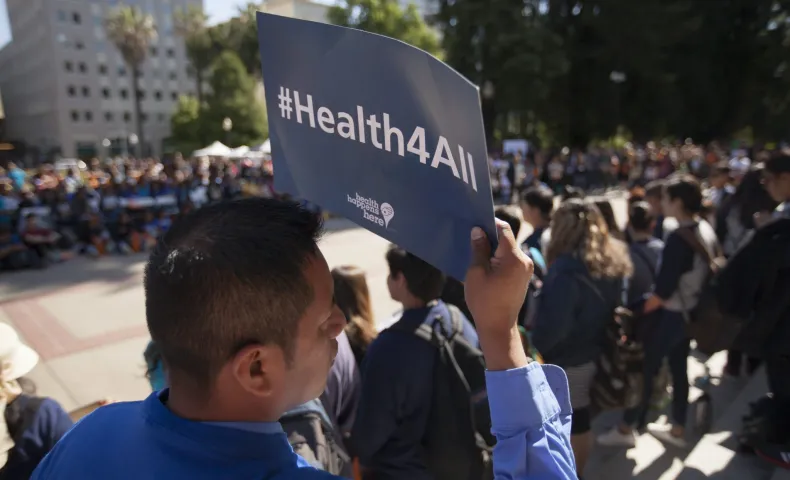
380 132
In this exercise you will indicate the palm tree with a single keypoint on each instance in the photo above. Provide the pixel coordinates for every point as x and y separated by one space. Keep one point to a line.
190 24
132 32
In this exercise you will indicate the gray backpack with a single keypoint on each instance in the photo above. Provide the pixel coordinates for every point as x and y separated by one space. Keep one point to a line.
313 437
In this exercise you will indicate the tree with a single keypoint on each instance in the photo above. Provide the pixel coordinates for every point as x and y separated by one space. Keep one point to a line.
132 32
240 35
185 125
233 95
386 17
190 25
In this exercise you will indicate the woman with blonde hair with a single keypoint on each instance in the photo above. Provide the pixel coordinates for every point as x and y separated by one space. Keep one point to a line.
583 286
353 298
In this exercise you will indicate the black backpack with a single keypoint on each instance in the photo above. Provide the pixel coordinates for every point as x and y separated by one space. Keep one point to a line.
313 437
457 443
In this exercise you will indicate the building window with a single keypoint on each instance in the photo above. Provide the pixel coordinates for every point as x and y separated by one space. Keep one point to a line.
105 92
127 117
72 91
61 16
103 69
79 45
75 116
171 53
161 117
76 17
153 51
69 66
108 116
86 92
89 116
124 94
173 76
141 94
144 117
83 67
174 96
158 96
121 71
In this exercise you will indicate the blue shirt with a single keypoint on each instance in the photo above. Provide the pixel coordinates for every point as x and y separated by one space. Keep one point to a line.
530 413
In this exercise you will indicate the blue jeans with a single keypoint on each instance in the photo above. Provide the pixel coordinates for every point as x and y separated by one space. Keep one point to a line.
668 340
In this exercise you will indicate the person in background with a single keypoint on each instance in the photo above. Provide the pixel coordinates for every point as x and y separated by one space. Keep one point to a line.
353 298
239 300
163 222
17 176
654 192
98 237
747 209
150 230
605 207
580 292
680 279
29 425
14 254
398 374
536 207
645 250
43 241
720 186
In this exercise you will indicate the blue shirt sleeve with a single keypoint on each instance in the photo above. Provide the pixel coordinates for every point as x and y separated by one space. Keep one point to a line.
677 259
531 419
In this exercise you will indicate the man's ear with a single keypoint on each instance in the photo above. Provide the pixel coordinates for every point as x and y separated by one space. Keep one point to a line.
259 369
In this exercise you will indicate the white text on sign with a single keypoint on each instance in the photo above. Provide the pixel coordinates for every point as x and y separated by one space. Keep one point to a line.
380 133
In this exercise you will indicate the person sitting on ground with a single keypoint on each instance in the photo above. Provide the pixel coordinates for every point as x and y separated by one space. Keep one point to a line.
239 299
41 240
14 254
125 237
353 298
29 425
537 204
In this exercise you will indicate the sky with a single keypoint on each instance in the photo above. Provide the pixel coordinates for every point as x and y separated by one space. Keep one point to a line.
217 10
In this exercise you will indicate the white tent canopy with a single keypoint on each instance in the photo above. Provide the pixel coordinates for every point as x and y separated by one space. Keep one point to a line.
216 149
265 147
239 152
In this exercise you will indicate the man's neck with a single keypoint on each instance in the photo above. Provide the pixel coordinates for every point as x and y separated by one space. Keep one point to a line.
540 224
413 303
192 407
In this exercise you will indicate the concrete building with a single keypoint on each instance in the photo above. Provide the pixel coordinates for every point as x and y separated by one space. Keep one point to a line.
301 9
66 87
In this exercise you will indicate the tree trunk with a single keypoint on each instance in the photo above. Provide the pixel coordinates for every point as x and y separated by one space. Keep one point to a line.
138 111
199 91
488 106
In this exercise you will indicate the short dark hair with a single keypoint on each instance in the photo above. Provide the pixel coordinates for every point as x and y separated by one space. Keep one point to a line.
654 189
722 168
640 217
227 276
506 214
423 280
541 198
686 189
778 163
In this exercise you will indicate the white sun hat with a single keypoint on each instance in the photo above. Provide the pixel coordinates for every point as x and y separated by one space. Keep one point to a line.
16 358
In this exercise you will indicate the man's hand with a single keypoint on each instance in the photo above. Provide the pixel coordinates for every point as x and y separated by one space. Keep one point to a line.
495 289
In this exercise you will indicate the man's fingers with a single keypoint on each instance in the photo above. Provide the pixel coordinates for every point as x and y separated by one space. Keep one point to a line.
507 242
481 249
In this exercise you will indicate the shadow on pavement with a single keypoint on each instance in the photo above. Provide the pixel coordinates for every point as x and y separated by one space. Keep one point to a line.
123 270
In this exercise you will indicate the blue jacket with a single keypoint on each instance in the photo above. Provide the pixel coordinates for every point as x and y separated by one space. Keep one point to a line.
571 318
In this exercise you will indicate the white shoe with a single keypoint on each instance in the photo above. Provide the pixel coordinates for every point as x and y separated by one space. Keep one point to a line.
616 438
663 432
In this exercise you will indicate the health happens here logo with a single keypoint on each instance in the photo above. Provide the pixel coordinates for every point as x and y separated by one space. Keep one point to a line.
372 211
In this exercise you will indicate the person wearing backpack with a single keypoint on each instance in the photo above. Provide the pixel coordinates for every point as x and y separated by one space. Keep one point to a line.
576 305
682 276
397 417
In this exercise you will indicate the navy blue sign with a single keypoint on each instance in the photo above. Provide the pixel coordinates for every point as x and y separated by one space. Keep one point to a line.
380 132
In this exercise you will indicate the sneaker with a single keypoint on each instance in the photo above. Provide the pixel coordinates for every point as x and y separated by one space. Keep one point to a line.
663 432
616 438
779 455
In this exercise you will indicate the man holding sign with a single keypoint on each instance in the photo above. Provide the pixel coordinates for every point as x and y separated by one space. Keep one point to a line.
240 299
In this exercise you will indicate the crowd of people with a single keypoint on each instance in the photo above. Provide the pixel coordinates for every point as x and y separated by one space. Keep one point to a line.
243 312
119 206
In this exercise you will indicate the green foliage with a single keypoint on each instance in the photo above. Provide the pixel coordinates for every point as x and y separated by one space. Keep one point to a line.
387 18
132 32
190 25
185 125
233 95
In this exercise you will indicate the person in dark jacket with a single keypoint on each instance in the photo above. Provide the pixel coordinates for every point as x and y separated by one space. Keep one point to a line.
29 425
580 292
